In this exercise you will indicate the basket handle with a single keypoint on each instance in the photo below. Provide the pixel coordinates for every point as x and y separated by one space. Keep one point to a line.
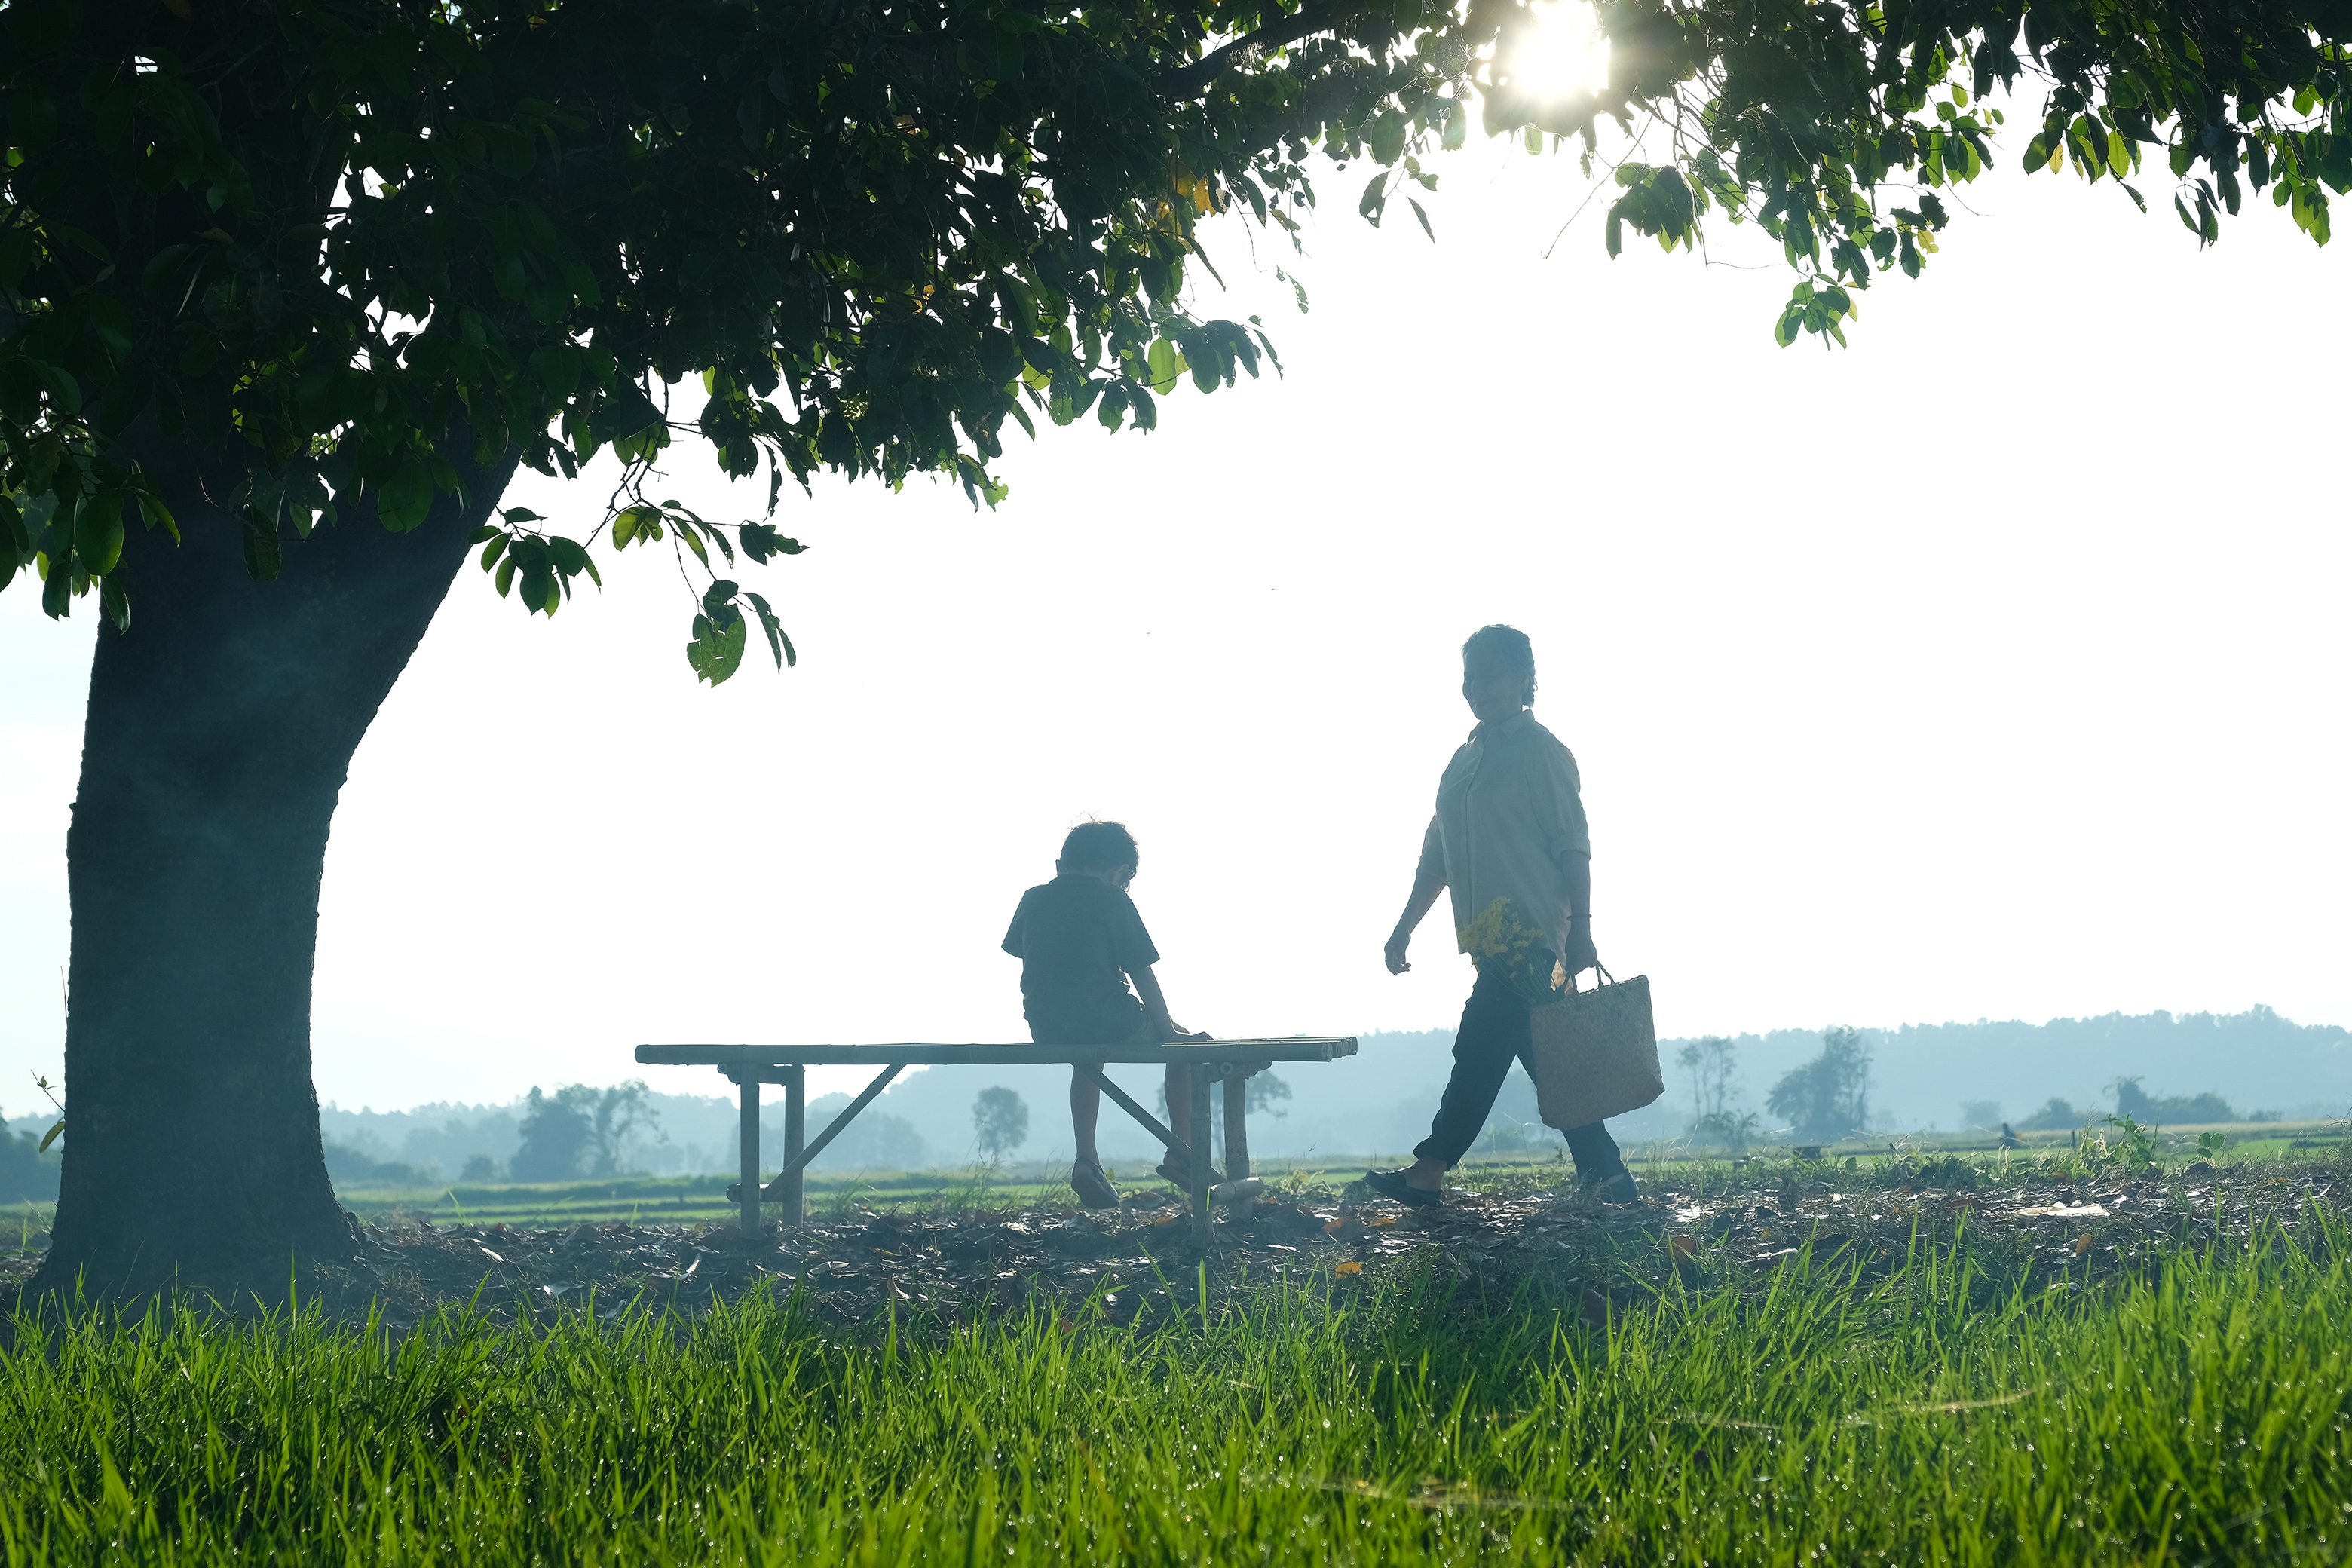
1602 977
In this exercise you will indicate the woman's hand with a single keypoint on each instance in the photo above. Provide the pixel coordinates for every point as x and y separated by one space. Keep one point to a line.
1581 954
1426 888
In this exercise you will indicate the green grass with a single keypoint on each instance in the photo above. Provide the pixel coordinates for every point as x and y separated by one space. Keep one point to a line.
1925 1415
670 1200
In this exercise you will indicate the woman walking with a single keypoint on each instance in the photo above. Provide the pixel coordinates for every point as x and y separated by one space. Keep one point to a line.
1508 841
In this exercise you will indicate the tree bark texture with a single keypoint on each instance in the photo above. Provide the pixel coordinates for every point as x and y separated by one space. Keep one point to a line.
220 727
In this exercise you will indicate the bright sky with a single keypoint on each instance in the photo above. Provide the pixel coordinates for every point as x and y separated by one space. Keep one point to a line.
1995 668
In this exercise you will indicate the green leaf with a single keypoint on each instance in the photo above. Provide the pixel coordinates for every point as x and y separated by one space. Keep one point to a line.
761 540
51 1136
778 642
153 513
1373 200
56 590
571 560
1165 365
1111 410
262 559
1423 218
717 652
404 501
98 532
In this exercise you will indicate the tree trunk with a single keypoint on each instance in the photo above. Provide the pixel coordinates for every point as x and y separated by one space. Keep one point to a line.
220 730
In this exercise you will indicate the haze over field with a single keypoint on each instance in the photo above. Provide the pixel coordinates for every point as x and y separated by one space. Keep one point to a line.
1947 1078
1992 668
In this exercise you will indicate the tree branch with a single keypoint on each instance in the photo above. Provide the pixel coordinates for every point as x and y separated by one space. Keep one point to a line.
1305 22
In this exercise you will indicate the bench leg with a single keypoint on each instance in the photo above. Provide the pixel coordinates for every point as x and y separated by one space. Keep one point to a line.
748 1099
1237 1163
795 1131
1200 1183
1237 1158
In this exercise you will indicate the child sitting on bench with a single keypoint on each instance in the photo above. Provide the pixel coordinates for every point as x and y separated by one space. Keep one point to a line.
1080 940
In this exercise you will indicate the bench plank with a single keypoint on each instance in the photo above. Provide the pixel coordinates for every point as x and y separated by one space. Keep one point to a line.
1296 1048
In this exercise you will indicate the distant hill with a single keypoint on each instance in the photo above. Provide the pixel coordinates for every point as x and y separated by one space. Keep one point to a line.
1924 1074
1377 1103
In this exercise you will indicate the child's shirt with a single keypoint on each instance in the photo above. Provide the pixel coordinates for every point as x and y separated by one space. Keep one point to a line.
1077 938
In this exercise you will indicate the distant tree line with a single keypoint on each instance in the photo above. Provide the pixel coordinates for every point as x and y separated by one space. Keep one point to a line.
26 1175
581 1131
2156 1110
1819 1102
578 1132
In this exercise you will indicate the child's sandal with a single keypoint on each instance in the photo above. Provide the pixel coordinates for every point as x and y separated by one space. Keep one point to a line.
1093 1185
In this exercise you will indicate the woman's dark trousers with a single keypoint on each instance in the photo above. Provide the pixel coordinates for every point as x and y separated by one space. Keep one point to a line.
1495 1030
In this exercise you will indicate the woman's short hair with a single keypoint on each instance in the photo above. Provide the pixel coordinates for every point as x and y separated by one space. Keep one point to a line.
1099 846
1507 646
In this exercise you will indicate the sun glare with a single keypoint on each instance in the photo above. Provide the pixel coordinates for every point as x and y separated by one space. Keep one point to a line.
1564 53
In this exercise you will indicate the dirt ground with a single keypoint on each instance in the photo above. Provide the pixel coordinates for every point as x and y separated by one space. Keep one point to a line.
1500 1250
1140 1260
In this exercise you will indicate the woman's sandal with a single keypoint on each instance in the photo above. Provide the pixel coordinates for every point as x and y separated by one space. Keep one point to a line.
1092 1184
1392 1185
1618 1189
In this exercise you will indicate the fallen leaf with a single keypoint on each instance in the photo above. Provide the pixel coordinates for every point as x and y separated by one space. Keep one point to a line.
1684 1246
1351 1267
1772 1260
2082 1244
2064 1211
488 1254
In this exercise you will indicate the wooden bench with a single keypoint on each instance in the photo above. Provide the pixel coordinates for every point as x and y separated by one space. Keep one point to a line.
1229 1061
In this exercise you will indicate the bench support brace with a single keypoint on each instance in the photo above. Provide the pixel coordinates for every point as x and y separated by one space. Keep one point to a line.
786 1188
1126 1103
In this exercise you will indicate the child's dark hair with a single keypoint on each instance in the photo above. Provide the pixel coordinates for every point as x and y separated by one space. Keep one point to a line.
1099 846
1507 646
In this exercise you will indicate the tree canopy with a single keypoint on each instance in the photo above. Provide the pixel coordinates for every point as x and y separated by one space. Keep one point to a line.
1828 1098
353 241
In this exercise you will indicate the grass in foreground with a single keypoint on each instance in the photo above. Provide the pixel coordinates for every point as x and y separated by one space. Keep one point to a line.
2199 1418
